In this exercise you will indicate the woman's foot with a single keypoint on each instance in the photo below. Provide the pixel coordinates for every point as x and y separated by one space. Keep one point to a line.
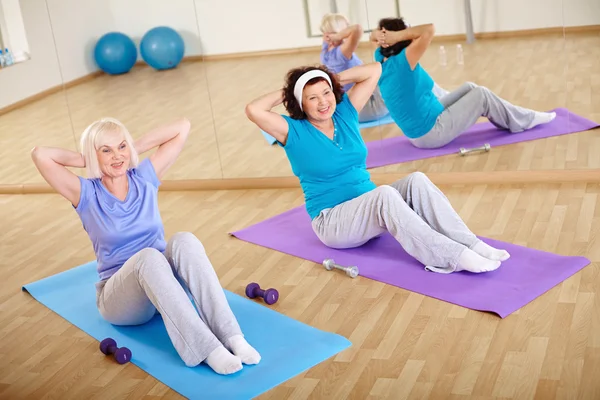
223 362
540 118
238 346
487 251
473 262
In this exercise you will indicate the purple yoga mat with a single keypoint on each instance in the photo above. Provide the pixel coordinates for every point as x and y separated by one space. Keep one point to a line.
527 274
398 149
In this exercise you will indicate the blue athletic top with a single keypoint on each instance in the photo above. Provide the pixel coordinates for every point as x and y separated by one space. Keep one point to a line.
408 95
330 171
119 229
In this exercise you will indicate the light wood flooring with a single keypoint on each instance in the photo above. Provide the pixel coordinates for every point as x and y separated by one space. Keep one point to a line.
404 345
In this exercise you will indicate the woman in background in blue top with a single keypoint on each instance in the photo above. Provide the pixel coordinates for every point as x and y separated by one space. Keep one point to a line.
427 121
138 269
322 141
340 41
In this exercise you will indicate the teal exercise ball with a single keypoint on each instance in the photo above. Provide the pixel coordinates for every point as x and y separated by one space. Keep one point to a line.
115 53
162 48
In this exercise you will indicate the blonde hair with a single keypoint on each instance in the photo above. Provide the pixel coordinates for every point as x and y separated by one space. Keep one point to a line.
332 22
93 138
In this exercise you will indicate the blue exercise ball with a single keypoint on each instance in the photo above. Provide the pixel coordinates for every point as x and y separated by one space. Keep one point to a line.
115 53
162 48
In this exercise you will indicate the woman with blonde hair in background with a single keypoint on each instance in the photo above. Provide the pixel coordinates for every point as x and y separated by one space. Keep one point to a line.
138 269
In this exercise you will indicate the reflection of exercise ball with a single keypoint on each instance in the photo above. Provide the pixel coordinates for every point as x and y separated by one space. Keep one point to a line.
115 53
162 48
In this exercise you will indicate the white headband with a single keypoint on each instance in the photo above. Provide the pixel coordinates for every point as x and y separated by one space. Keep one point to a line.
301 82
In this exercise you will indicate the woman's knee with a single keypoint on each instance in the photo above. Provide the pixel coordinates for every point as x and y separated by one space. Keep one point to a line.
124 317
419 178
152 260
186 239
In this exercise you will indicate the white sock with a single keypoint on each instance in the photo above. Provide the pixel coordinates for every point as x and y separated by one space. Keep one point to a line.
238 345
223 362
487 251
473 262
541 118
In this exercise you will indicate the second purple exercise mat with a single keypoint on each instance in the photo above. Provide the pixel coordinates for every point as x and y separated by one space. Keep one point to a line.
526 275
398 149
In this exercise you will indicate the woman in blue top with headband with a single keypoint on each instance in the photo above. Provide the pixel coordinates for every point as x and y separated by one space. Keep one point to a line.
322 141
427 121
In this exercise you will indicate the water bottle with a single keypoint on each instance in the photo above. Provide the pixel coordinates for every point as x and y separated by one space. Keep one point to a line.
459 55
443 60
1 59
8 60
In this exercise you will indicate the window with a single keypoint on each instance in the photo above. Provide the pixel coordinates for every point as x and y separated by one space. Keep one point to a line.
13 41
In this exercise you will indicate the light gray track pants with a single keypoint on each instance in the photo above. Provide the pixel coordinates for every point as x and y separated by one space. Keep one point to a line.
413 210
376 109
150 281
462 109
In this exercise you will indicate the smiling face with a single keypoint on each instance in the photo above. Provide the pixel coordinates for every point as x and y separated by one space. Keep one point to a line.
114 154
318 101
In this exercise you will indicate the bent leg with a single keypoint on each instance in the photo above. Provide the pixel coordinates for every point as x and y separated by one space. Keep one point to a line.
374 109
453 96
189 261
356 221
428 201
438 91
144 284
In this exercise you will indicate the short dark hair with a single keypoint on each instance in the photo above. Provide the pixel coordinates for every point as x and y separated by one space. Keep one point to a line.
393 24
290 102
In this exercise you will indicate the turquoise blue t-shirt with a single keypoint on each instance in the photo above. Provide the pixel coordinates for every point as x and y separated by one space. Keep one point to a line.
119 229
408 95
330 171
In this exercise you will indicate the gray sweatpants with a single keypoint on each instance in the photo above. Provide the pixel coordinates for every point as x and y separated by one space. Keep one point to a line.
462 109
374 109
413 210
151 281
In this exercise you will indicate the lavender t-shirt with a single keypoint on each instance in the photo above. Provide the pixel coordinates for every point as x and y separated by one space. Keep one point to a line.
119 229
337 62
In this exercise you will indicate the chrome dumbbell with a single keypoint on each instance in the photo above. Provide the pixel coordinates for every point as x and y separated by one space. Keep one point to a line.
329 264
486 147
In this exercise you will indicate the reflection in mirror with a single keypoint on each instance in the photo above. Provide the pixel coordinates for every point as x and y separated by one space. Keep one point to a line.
33 107
14 47
241 69
582 74
139 62
524 61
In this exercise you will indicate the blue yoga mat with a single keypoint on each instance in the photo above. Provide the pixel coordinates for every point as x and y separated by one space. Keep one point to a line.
369 124
287 347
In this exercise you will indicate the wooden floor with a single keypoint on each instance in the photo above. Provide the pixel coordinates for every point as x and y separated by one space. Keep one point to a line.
405 346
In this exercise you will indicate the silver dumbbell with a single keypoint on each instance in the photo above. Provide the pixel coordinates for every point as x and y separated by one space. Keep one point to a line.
486 147
329 264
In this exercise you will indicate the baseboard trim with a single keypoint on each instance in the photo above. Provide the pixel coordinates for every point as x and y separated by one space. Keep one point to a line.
39 96
291 182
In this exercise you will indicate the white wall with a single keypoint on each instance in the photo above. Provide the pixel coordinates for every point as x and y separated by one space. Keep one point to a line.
76 26
41 72
501 15
136 17
16 39
256 25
